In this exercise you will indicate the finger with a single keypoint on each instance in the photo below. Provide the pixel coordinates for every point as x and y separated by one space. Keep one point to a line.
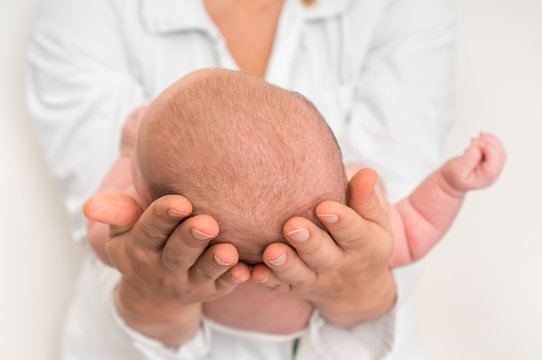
159 220
238 274
363 199
187 242
214 262
262 274
288 267
113 209
313 245
495 146
470 159
349 230
492 162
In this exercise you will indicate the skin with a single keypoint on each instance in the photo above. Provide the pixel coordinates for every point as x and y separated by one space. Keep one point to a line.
168 271
280 272
422 219
417 223
249 29
161 295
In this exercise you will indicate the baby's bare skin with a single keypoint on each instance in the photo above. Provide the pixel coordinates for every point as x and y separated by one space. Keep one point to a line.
418 223
287 283
160 293
421 220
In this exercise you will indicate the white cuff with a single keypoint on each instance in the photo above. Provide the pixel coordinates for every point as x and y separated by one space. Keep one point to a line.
195 348
369 340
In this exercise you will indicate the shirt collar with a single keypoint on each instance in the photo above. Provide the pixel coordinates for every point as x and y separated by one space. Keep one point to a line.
165 16
324 9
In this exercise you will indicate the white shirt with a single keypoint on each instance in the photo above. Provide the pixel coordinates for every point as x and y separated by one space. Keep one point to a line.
380 71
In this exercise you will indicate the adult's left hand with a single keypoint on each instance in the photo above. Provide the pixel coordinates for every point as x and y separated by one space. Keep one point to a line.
345 275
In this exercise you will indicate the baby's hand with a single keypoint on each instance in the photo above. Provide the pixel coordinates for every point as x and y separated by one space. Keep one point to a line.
478 167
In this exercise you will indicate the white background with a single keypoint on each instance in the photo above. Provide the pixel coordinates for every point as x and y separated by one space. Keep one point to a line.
481 293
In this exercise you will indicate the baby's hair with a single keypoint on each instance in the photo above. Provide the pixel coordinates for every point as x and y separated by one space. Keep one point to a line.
244 151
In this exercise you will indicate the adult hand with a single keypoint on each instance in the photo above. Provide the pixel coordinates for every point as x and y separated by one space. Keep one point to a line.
345 275
167 268
118 179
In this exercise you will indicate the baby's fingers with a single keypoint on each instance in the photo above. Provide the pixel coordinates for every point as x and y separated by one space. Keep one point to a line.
493 148
492 161
464 165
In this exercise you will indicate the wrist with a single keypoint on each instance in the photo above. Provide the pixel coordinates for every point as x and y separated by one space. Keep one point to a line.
449 185
376 299
169 322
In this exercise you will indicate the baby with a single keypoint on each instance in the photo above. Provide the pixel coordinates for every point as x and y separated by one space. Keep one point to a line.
253 155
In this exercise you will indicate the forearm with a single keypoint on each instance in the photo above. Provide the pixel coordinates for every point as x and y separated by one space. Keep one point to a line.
426 216
377 298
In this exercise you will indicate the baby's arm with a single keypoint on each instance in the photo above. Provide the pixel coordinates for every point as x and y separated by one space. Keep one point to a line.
421 220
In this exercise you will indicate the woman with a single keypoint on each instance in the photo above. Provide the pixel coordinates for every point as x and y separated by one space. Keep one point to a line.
380 72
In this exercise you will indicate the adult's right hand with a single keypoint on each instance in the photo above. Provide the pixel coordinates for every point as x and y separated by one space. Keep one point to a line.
167 267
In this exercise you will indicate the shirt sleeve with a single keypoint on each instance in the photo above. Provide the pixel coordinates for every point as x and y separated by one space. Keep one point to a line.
369 340
403 94
94 330
195 348
79 91
403 97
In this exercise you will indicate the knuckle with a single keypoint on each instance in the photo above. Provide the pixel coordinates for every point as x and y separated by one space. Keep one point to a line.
171 284
304 283
137 255
158 208
201 275
225 284
166 281
329 265
147 231
173 260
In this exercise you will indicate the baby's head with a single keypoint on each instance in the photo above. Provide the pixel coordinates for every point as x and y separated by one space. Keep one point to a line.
250 154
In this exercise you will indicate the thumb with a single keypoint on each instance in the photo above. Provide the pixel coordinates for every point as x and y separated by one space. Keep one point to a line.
115 208
362 197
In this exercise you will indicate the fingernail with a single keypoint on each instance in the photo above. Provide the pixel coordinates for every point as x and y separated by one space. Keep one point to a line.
262 281
220 262
279 261
176 214
200 235
299 235
329 218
